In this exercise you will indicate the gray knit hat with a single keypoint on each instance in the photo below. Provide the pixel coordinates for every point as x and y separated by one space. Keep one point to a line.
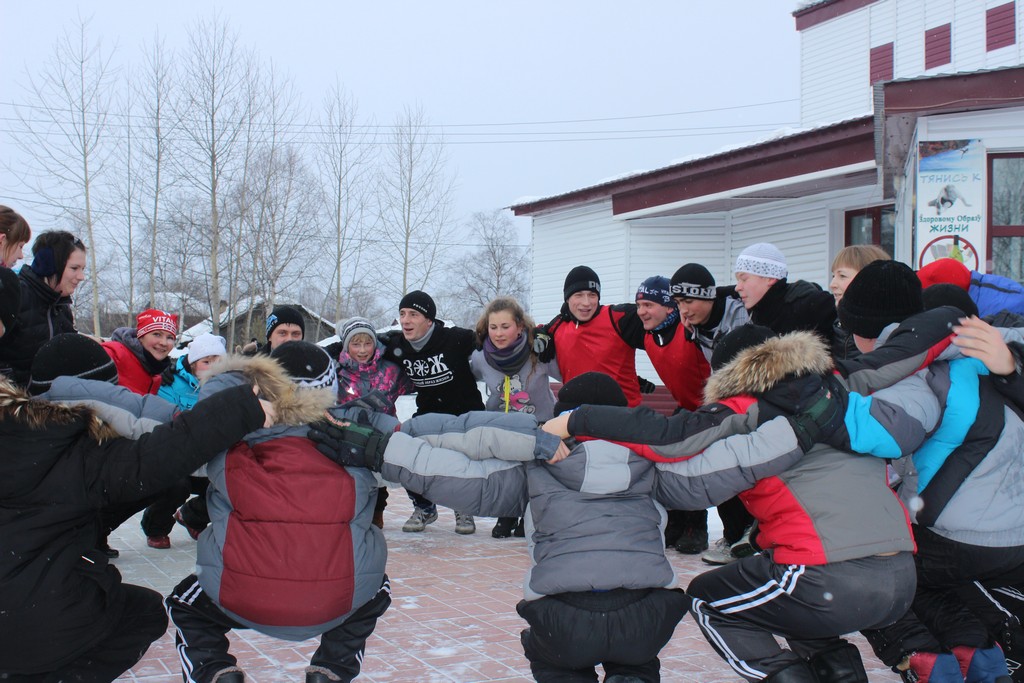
347 329
762 259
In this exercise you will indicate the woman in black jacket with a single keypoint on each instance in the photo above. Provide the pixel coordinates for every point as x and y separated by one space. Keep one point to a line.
66 615
58 267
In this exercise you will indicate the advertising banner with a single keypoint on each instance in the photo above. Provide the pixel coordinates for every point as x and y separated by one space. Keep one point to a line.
951 201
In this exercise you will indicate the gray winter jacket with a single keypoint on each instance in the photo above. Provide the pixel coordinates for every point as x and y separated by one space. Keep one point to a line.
594 520
529 390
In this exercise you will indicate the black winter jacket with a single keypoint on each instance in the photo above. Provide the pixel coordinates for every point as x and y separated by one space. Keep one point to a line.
440 370
60 464
44 314
790 306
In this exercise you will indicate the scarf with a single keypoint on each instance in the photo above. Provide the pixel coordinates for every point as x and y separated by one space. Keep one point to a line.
509 360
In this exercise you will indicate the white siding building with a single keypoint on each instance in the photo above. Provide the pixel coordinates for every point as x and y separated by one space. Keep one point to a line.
883 83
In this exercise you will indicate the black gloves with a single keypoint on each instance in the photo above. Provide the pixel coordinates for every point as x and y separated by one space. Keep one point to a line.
646 385
543 344
389 337
350 446
815 407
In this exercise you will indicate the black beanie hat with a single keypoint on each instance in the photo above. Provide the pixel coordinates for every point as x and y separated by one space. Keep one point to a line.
946 294
590 388
883 292
285 315
70 355
742 337
692 281
307 364
579 279
420 301
10 297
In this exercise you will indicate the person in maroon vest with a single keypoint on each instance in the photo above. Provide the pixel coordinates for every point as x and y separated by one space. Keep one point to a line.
587 336
681 365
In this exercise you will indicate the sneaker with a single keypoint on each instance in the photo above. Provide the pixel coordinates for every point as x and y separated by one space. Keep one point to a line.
692 541
464 523
930 667
719 553
192 531
158 542
504 527
419 519
743 547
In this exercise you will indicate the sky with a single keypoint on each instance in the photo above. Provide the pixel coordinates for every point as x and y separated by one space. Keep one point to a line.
534 97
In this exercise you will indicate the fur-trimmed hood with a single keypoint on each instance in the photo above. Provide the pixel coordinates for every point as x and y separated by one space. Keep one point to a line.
36 414
295 405
758 368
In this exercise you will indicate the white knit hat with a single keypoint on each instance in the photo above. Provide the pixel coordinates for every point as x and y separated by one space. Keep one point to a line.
206 345
762 259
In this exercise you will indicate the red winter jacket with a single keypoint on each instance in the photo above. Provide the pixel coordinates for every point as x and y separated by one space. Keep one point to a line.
130 372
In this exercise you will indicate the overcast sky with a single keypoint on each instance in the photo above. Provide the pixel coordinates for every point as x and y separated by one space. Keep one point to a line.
535 97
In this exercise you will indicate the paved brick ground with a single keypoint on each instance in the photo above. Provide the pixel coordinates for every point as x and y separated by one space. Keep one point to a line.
453 618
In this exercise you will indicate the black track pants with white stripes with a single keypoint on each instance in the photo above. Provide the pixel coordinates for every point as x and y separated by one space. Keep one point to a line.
742 606
201 634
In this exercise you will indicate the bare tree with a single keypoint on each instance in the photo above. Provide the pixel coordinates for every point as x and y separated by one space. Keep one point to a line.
154 91
62 131
213 108
344 153
414 197
496 266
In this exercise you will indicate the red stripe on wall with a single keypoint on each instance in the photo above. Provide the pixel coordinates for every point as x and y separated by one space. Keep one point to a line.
881 63
1000 26
938 46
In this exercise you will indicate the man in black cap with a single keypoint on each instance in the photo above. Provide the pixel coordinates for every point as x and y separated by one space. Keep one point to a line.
436 360
284 324
587 336
710 313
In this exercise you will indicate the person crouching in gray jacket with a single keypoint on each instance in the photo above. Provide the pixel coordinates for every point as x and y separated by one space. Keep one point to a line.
600 590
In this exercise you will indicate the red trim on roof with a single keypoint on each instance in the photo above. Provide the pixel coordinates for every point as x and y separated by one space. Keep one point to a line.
823 148
956 93
1000 26
938 46
824 11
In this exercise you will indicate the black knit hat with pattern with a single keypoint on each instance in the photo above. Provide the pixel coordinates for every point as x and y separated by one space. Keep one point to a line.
692 281
70 355
307 364
579 279
590 388
882 293
285 315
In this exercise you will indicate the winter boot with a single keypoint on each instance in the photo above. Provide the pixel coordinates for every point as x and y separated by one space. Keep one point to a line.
520 530
619 678
979 665
797 672
930 667
319 674
675 526
839 663
693 539
504 527
230 675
